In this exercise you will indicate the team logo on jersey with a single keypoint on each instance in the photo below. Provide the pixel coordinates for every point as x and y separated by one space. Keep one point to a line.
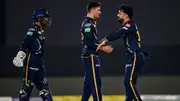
41 37
30 33
87 30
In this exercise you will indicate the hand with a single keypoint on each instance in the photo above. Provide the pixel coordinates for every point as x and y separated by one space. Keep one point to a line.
101 44
107 48
18 60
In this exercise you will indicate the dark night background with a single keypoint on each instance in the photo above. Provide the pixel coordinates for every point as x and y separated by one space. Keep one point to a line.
158 22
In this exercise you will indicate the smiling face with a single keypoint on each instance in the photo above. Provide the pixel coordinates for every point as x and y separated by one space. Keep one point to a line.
122 16
96 11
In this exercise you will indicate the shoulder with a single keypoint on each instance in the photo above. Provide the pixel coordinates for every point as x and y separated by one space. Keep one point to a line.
133 24
130 25
31 31
86 24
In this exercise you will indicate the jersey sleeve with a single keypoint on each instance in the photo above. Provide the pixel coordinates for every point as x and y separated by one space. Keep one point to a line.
28 39
89 38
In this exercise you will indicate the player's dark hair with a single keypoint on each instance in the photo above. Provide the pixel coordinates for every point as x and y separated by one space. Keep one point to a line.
128 10
92 4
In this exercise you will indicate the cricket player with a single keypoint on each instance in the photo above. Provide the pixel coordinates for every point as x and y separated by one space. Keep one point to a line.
90 59
30 57
135 55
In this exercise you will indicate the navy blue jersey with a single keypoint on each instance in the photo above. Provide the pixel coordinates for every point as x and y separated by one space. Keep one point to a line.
34 41
89 36
129 32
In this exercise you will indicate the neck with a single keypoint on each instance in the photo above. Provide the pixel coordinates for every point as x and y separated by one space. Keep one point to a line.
126 20
90 15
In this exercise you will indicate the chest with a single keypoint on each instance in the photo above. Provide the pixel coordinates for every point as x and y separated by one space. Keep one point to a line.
95 32
40 39
95 29
128 37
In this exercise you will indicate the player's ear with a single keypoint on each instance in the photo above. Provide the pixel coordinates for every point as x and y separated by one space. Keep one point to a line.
93 9
126 16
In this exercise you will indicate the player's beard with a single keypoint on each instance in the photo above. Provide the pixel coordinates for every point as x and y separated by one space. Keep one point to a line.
43 26
97 16
46 21
120 20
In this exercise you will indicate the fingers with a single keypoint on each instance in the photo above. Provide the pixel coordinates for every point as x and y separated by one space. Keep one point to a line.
100 45
98 48
18 62
107 49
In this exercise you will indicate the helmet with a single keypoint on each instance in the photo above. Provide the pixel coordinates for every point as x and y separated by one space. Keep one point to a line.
42 15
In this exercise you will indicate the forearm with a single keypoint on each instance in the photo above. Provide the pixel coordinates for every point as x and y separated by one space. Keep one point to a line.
114 35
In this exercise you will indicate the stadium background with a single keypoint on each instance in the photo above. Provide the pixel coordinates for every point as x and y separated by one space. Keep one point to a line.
158 22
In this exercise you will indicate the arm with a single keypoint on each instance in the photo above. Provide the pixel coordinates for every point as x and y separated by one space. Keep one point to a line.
27 41
115 35
111 37
21 55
